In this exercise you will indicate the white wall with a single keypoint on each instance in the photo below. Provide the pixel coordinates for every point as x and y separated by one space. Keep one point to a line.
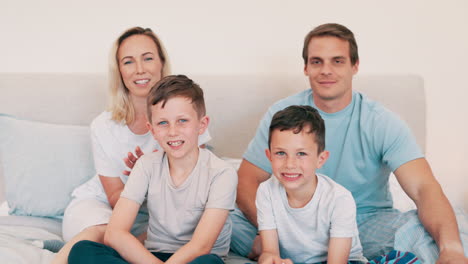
428 38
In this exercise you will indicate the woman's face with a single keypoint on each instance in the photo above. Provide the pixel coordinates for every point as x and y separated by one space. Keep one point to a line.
139 64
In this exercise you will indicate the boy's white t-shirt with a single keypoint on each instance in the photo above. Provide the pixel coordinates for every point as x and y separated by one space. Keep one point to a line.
174 212
304 233
111 141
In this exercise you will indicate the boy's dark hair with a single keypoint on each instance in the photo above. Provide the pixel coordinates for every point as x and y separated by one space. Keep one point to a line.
332 30
297 118
174 86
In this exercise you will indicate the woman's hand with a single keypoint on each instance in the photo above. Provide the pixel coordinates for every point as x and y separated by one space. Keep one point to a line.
130 160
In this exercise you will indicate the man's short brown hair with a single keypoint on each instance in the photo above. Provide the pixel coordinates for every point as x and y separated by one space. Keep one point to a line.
332 30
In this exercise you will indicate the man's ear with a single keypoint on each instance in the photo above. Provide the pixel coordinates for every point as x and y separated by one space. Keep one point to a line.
322 158
356 67
268 154
204 121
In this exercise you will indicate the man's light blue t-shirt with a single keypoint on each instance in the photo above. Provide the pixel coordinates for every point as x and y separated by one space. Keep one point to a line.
366 142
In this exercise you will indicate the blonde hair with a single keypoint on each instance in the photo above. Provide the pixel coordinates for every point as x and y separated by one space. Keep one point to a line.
120 104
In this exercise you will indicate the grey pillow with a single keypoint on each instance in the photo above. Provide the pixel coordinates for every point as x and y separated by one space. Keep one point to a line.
42 164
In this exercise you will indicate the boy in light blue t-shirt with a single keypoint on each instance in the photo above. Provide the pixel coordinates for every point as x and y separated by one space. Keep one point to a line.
304 217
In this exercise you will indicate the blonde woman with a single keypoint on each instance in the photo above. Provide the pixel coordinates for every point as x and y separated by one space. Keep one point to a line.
138 60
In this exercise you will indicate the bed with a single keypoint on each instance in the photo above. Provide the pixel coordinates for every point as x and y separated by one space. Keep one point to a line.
45 150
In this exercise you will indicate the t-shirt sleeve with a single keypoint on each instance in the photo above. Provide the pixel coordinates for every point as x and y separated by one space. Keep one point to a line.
136 187
265 216
343 220
223 189
255 152
104 164
398 145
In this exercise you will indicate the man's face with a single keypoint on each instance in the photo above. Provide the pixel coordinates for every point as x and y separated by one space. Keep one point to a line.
330 71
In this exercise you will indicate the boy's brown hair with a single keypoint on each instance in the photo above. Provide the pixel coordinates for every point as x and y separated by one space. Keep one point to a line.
174 86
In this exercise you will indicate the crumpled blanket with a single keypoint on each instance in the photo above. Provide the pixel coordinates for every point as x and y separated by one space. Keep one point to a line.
412 236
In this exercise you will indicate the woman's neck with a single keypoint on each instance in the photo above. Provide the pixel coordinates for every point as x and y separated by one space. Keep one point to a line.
138 126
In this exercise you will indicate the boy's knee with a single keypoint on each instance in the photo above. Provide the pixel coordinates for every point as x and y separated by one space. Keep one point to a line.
86 251
80 250
208 259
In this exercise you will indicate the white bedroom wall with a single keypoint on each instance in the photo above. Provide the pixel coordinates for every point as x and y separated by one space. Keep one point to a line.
428 38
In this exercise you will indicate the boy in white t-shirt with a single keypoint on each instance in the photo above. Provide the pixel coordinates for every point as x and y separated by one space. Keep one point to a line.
304 217
189 191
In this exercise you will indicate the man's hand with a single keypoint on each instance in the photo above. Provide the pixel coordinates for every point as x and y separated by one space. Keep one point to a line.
130 160
434 209
452 257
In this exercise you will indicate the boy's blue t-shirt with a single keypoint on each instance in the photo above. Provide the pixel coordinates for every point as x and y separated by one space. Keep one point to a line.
366 142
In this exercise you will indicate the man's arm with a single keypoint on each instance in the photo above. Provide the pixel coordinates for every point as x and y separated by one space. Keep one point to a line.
434 209
250 177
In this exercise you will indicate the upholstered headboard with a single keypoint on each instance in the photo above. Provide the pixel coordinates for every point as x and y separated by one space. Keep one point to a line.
235 103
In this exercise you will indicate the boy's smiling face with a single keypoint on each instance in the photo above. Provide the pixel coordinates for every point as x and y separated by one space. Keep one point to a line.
176 127
294 158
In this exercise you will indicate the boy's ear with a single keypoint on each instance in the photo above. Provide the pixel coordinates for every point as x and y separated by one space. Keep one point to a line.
204 121
268 154
150 127
322 158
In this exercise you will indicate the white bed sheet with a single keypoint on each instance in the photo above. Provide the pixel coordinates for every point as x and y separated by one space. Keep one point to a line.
22 244
4 209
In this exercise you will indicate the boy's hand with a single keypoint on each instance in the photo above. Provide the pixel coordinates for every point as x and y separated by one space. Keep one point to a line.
268 258
130 160
256 248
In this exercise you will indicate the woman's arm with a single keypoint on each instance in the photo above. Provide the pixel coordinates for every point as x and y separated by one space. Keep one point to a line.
204 237
338 250
118 234
112 186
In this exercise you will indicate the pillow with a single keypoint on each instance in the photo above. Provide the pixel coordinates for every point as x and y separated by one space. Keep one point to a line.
42 164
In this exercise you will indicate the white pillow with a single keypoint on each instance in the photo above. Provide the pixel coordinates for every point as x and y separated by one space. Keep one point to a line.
42 164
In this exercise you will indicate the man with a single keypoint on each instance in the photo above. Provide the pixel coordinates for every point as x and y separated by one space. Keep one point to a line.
366 142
